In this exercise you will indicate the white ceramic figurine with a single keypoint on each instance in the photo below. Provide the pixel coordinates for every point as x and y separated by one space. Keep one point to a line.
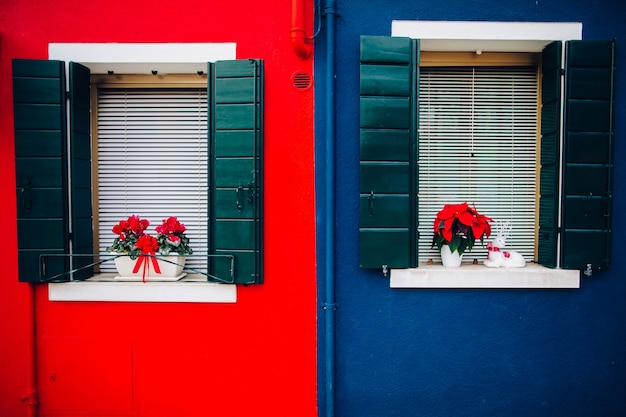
497 256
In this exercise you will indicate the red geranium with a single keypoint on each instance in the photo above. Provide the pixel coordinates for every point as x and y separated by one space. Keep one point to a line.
147 244
171 237
458 226
132 238
128 231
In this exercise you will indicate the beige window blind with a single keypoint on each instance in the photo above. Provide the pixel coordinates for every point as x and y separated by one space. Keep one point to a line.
152 161
478 143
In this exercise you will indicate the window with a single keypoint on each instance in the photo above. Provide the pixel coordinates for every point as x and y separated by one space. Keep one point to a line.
575 188
478 143
54 171
152 157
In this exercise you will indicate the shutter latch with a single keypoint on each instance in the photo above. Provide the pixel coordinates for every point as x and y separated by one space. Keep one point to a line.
26 195
240 197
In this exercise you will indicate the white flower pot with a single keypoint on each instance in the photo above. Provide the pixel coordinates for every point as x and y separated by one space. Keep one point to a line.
450 259
171 267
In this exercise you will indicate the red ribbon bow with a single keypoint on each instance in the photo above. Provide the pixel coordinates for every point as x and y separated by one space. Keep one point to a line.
148 246
492 248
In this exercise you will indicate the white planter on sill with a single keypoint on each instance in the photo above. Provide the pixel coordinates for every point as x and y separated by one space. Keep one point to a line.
450 259
171 268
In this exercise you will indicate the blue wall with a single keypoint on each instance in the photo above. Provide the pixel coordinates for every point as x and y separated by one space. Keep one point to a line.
467 352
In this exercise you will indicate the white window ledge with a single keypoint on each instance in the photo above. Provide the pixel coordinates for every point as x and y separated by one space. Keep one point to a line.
480 276
191 289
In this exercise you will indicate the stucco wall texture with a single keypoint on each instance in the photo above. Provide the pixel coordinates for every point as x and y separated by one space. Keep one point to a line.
469 352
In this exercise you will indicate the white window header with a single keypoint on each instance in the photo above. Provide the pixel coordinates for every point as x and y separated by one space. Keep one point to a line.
143 58
486 36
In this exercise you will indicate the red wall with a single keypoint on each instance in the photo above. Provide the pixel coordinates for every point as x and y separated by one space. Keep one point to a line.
252 358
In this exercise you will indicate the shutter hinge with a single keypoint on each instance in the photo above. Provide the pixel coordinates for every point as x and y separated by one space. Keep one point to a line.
562 72
67 95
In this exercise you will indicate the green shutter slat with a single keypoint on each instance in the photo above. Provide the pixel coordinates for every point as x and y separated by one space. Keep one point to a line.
385 113
80 145
385 80
385 145
236 172
40 163
388 152
384 211
234 143
385 177
234 90
588 165
387 50
233 171
550 150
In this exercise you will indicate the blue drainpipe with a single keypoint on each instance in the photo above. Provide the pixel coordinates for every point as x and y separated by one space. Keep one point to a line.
329 304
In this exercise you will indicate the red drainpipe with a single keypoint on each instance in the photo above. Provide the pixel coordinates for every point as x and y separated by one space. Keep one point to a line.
30 398
298 39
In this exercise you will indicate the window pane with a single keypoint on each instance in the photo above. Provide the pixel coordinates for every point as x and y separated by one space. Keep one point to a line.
478 143
152 161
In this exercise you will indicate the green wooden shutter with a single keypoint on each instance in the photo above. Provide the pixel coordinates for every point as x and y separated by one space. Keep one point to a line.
44 213
40 163
578 177
80 170
588 144
236 172
388 146
549 182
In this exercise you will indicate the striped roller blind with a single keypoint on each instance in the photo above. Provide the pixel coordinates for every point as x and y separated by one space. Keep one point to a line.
478 143
152 161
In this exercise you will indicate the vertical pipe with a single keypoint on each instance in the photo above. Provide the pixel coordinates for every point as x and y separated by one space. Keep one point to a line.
297 32
329 306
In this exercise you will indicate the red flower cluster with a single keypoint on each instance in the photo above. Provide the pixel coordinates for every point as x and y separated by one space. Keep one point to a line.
147 244
132 239
133 226
458 226
171 228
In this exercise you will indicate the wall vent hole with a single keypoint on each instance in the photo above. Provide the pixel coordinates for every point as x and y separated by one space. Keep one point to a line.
301 81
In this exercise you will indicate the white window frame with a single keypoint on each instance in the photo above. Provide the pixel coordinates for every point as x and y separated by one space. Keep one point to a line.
479 37
139 58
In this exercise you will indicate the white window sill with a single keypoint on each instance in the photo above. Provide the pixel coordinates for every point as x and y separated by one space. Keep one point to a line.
480 276
191 289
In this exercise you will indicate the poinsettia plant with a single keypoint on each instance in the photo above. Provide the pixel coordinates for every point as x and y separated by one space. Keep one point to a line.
133 240
459 226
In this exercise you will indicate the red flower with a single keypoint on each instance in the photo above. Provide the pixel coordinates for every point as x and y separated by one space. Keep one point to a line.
458 226
480 226
128 231
137 225
134 225
147 244
448 215
131 232
171 225
171 237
